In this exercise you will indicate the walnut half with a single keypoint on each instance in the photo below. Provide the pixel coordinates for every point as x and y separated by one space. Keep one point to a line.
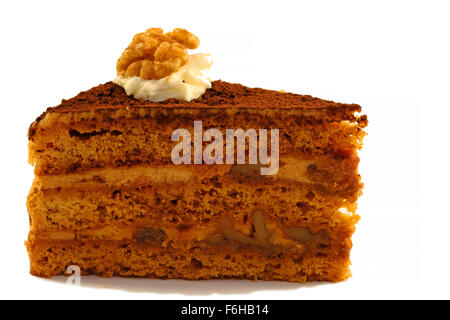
154 54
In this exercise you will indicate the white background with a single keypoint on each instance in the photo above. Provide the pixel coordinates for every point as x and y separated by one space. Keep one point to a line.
391 57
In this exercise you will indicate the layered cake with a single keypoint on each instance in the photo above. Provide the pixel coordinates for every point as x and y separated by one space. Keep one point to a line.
166 174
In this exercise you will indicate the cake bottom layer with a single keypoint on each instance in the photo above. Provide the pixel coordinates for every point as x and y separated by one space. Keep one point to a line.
130 259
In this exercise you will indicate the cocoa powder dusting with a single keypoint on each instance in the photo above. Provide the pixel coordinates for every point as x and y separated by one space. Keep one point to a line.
221 95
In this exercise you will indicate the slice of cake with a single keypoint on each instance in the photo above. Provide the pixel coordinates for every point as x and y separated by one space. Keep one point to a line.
168 175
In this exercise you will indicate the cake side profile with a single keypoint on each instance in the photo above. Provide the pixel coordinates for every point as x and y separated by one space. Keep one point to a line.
113 195
113 184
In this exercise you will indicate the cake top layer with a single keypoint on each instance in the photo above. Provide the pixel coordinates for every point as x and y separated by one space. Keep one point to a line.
223 95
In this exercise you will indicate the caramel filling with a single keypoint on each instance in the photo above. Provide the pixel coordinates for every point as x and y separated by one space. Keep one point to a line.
304 235
290 169
258 237
260 234
262 237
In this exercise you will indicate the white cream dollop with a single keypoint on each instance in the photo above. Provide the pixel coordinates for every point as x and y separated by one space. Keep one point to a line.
188 83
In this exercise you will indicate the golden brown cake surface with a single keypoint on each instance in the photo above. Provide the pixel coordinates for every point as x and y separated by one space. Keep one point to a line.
108 198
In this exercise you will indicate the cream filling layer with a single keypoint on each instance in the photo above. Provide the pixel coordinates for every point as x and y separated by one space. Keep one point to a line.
290 169
260 232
